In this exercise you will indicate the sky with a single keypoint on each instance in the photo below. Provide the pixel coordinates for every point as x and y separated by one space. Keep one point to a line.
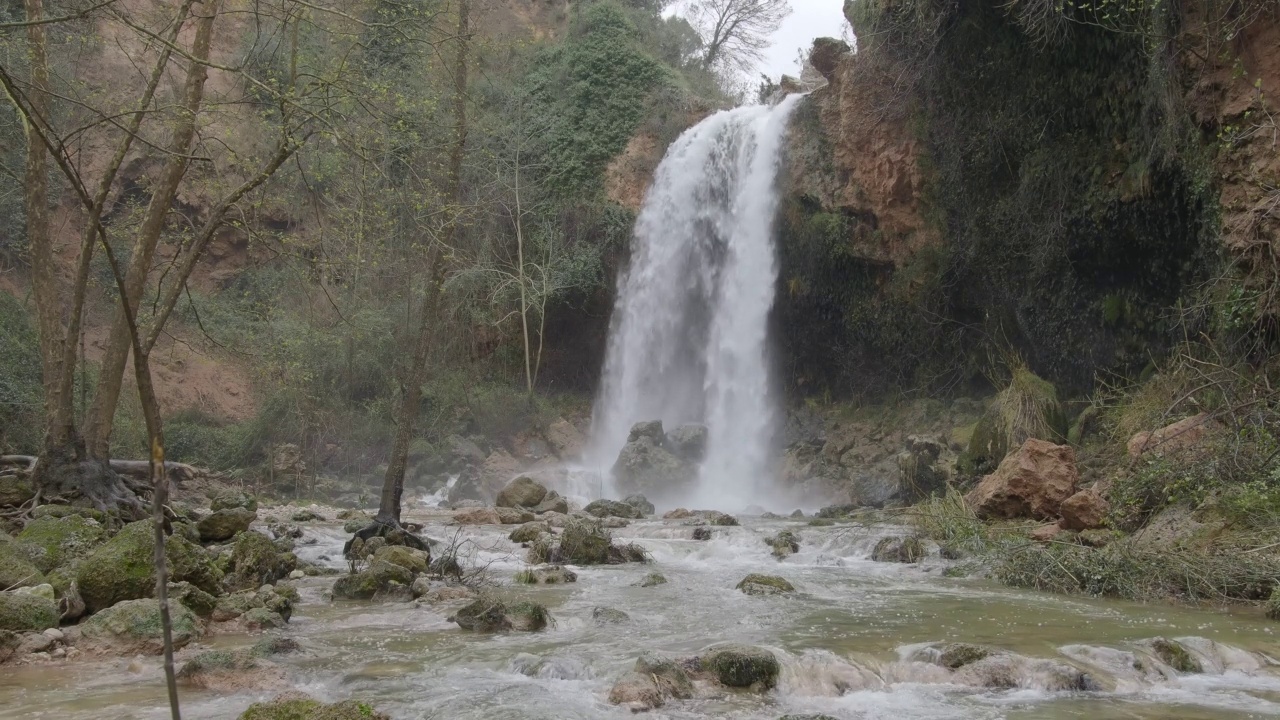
809 19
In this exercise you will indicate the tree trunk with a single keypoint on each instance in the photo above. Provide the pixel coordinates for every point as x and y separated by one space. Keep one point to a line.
393 482
102 412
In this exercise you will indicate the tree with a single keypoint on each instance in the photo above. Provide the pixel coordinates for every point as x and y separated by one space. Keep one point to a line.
735 33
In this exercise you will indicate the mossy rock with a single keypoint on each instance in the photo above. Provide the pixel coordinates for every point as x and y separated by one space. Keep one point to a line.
255 561
294 706
233 605
62 539
528 616
196 600
612 508
483 614
653 579
785 543
377 579
124 568
908 549
16 570
25 612
231 498
1176 656
957 655
415 561
671 679
15 491
62 511
608 616
529 532
807 717
222 525
741 666
550 575
134 625
757 584
584 542
260 618
715 517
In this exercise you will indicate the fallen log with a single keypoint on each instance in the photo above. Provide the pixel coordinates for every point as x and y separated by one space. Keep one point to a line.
175 471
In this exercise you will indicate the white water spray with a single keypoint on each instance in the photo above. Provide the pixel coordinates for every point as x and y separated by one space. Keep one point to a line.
688 339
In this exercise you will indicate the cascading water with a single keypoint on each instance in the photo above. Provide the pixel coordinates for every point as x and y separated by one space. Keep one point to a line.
688 339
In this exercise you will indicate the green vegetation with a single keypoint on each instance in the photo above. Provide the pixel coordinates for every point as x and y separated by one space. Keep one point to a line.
21 394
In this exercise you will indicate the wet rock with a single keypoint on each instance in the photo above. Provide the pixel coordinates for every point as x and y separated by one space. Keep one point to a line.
380 578
285 531
550 575
1007 671
650 429
529 532
552 503
223 525
652 579
614 523
1031 482
784 543
757 584
898 549
238 671
296 706
797 515
123 568
433 594
1086 510
27 612
956 655
612 508
836 511
488 614
645 466
715 517
741 666
16 570
35 643
305 515
196 600
702 533
133 626
522 492
477 516
229 499
513 516
688 442
920 473
260 618
61 540
1172 439
527 616
256 561
641 504
1175 655
415 561
652 681
608 616
677 514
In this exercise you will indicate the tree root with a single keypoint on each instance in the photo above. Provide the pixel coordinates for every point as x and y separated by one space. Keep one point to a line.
381 529
175 471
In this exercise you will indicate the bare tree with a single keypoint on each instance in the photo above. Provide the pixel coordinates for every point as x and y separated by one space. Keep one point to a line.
735 33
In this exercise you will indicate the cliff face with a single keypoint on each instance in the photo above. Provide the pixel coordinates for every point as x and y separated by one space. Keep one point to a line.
962 187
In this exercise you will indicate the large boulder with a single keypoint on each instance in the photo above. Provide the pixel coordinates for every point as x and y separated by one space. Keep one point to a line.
522 492
296 706
257 561
16 569
826 54
688 442
651 429
640 503
1086 510
529 532
552 503
652 681
612 508
133 626
27 612
645 466
741 666
124 567
1031 482
224 524
380 580
230 498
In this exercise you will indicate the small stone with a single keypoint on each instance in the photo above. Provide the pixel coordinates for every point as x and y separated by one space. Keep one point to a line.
297 575
54 634
757 584
653 579
58 653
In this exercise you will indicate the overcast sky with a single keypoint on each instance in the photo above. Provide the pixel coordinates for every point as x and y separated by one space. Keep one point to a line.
809 19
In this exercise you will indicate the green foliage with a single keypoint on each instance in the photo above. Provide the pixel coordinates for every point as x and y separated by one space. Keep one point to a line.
21 394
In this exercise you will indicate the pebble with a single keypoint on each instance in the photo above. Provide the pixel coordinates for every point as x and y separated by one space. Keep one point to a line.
297 575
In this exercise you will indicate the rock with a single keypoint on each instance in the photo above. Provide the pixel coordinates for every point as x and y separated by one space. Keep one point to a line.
225 524
228 499
920 475
61 540
196 600
61 511
285 531
492 615
55 634
529 532
641 504
1086 510
415 561
513 516
552 503
645 466
702 533
757 584
677 514
15 491
612 508
477 516
1175 655
527 616
260 618
550 575
35 643
256 561
610 616
688 442
133 626
651 429
445 594
1031 482
741 666
613 523
522 492
238 671
1172 439
826 54
836 511
898 549
652 681
16 569
1046 533
45 591
584 542
565 440
784 543
305 515
232 606
715 517
652 579
27 612
380 579
797 514
956 655
123 568
296 706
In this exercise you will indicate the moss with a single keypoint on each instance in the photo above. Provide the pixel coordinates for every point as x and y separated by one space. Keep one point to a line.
527 616
1173 654
295 707
16 570
583 542
22 612
136 623
741 666
255 561
124 568
898 549
757 584
653 579
957 655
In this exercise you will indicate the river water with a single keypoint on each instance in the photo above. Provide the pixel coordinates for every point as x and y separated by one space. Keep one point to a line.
846 640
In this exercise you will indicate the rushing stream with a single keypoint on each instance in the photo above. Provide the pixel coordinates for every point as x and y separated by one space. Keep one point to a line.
846 640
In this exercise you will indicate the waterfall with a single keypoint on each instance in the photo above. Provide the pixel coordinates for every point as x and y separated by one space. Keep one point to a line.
688 341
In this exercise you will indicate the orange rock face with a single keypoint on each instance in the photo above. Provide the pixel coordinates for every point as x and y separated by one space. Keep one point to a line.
1182 435
1031 482
1086 510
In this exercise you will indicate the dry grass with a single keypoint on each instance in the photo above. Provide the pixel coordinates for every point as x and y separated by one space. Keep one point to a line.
1028 407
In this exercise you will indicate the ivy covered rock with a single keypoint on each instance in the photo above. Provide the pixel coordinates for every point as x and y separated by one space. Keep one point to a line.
27 612
757 584
133 626
296 706
741 666
222 525
124 567
61 540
